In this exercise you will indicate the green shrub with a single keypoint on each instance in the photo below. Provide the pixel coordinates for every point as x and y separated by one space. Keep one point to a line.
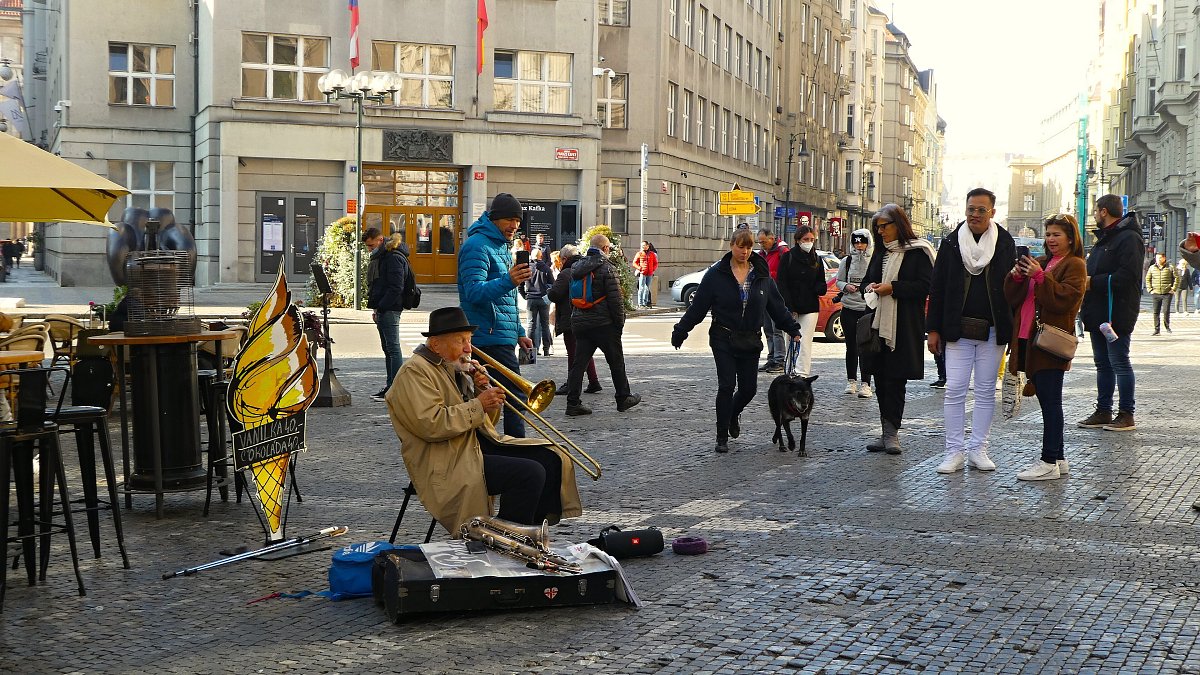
335 253
624 269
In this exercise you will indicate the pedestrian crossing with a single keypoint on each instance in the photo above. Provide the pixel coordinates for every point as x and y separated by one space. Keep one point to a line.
633 343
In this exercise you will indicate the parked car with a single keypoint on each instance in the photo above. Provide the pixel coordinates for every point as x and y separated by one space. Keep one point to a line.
829 321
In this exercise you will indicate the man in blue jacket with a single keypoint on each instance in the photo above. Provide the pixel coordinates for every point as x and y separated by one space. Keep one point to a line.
487 291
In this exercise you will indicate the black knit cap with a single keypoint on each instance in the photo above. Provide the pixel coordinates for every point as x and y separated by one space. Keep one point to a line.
504 206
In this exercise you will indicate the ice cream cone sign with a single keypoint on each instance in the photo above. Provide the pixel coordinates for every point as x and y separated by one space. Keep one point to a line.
274 381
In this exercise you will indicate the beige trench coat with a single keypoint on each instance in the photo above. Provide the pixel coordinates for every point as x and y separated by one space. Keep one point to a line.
441 452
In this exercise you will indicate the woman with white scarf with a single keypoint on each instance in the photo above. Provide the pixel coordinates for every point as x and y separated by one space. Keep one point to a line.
896 285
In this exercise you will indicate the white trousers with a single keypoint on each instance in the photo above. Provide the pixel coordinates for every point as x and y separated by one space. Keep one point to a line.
964 358
808 326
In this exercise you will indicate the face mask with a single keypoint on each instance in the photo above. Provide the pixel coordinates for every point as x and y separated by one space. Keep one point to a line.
806 247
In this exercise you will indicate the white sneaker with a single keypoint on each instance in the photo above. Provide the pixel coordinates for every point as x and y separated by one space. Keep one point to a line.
864 390
851 387
978 459
1063 467
1040 471
952 464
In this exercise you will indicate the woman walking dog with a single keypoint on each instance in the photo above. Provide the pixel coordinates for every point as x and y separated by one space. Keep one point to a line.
1048 290
739 291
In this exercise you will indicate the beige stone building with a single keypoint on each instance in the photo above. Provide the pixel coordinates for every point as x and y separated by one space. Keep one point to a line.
1024 197
213 109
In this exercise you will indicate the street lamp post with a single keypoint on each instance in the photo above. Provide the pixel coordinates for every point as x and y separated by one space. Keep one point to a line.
787 190
375 86
866 176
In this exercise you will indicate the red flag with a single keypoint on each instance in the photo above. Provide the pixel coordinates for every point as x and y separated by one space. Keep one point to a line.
354 34
481 24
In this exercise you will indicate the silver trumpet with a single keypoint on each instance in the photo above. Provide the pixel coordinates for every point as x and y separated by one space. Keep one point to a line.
529 543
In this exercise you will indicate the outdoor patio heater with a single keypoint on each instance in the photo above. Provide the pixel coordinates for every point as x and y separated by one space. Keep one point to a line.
160 299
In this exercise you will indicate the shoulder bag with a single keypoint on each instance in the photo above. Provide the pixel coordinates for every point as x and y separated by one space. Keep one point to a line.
867 335
1055 341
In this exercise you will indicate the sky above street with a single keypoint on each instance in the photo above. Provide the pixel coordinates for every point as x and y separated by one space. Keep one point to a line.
1000 67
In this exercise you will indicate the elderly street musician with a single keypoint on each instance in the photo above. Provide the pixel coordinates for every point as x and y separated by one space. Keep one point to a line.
441 404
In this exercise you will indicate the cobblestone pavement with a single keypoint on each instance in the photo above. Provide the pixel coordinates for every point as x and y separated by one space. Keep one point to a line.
839 562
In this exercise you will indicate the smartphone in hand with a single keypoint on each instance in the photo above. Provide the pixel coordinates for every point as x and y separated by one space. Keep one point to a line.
1022 251
522 257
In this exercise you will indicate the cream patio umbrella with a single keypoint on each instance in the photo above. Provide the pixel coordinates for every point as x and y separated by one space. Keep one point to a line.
40 187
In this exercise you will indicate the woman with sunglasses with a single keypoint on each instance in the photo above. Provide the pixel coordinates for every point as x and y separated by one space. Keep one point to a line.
896 285
1047 290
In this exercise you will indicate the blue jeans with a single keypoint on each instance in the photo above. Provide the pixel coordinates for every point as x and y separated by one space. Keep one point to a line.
644 289
1113 369
539 324
506 355
1049 386
776 347
388 324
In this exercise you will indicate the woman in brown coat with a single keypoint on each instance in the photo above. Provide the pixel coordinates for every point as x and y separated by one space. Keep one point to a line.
1047 290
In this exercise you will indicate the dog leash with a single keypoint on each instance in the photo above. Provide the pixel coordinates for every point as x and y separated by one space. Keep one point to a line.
793 353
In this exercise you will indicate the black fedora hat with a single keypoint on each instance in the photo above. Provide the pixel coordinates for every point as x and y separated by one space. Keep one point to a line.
448 320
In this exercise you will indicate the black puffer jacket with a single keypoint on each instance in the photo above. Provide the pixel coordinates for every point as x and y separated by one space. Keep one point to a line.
560 295
802 281
1116 257
611 312
386 274
950 283
720 292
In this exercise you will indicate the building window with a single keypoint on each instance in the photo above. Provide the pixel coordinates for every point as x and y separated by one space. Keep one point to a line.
610 104
1029 177
816 34
766 148
614 12
803 22
672 100
426 72
686 118
1181 57
1150 96
754 146
141 74
715 39
714 111
758 57
151 185
726 49
701 104
689 17
686 197
737 127
532 82
737 55
673 18
1029 203
284 67
701 25
850 176
613 192
725 132
825 47
746 140
673 208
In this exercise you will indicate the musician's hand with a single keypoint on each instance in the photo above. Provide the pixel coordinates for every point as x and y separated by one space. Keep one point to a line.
480 375
519 273
492 399
525 342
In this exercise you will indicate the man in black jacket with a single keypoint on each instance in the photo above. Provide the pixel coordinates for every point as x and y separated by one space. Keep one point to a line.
970 323
386 273
599 327
1110 309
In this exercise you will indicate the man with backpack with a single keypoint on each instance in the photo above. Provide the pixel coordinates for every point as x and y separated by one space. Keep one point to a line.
388 272
597 319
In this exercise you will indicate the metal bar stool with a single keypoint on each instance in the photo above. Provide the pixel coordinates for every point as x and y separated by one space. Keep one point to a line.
16 451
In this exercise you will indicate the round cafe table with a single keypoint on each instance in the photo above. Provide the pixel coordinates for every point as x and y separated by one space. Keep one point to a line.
166 412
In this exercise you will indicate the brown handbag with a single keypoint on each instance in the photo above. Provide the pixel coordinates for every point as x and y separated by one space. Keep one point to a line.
1055 341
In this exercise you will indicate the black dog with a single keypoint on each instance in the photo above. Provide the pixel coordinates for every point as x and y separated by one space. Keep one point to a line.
790 398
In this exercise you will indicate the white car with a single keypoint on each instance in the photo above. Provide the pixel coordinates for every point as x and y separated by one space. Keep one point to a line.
684 288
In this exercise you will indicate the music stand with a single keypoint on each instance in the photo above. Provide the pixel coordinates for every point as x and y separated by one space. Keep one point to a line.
331 394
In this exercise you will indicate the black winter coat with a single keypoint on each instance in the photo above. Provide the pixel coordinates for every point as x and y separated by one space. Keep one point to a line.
801 284
720 292
911 287
610 312
949 283
390 263
560 295
1117 256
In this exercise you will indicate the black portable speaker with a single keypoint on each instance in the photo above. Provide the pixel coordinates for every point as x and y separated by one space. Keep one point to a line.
629 544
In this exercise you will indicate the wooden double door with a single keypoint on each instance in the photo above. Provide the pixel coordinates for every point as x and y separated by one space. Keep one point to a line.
424 206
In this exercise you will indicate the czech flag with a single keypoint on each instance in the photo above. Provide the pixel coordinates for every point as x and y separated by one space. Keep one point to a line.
354 34
481 24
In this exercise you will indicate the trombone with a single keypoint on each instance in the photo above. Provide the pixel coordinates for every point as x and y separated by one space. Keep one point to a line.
540 395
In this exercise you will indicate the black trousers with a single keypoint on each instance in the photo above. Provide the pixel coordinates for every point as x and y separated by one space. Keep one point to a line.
890 393
1162 305
850 319
734 369
528 480
608 340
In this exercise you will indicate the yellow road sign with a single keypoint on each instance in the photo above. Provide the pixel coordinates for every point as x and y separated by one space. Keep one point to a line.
738 209
737 197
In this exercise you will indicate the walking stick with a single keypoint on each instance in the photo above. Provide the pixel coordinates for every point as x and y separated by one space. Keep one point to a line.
277 546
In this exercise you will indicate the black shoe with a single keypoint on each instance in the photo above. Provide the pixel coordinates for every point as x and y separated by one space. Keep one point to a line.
763 368
379 395
577 410
940 384
593 388
735 429
722 446
562 391
1155 332
1168 328
775 368
628 402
